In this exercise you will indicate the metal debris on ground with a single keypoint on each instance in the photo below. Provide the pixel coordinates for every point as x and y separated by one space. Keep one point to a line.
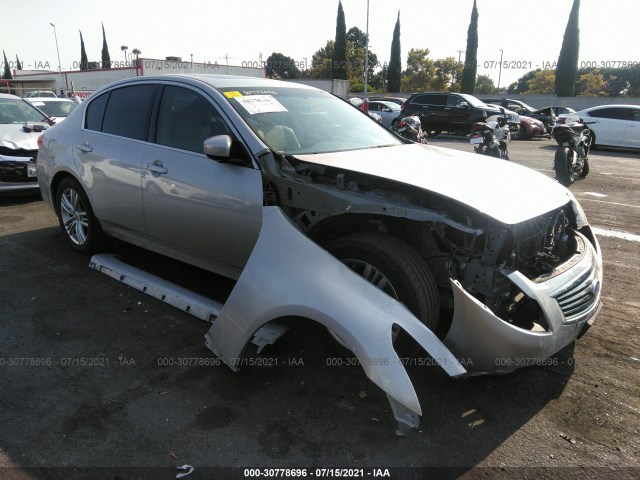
185 470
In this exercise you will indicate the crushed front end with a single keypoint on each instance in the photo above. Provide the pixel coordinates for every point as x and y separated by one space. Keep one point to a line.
520 293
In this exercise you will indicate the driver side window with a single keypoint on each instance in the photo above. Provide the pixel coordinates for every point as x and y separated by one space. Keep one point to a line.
186 119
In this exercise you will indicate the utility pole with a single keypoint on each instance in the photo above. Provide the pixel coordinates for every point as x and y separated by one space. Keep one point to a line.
55 35
366 56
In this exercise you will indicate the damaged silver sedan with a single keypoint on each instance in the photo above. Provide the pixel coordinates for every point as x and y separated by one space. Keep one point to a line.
321 213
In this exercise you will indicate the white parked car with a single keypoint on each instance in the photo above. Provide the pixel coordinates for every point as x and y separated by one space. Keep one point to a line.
56 108
20 126
611 125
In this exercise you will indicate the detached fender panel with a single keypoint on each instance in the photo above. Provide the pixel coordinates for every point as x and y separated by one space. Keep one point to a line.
290 275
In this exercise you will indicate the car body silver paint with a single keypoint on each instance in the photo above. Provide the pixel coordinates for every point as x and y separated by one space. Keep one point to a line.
335 296
488 344
457 175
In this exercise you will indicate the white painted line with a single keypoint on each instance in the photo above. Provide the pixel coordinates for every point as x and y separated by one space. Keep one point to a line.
595 194
609 203
614 234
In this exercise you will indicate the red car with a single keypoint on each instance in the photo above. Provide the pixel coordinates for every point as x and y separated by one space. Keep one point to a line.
532 128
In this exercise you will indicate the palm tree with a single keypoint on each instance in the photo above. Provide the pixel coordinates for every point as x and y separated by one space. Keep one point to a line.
137 53
124 48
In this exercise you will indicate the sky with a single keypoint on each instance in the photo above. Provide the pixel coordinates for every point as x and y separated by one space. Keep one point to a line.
241 32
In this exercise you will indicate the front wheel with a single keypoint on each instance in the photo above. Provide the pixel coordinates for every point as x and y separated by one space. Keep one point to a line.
395 268
79 225
564 166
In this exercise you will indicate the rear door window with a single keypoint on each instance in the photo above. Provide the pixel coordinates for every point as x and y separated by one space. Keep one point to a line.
429 99
128 111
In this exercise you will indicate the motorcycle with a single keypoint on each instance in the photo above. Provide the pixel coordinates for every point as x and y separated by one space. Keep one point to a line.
410 127
492 136
574 141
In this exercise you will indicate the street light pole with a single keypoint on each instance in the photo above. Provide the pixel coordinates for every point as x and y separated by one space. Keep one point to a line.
55 35
500 71
366 55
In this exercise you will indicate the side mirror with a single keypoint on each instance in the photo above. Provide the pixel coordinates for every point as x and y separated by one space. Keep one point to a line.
464 105
222 149
218 147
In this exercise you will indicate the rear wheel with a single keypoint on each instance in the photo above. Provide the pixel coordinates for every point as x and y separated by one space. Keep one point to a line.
395 268
564 167
494 152
79 225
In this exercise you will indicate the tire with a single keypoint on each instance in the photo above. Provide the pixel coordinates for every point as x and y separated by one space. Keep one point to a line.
593 140
398 270
435 133
494 152
394 122
585 168
564 172
79 225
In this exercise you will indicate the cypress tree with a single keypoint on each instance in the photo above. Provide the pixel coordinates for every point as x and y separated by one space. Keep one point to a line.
339 58
18 64
468 82
567 68
84 61
106 58
7 71
395 65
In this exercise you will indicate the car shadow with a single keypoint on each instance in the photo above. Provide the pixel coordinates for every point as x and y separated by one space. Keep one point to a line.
308 405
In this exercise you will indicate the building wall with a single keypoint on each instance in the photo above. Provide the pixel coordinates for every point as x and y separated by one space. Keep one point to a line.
85 82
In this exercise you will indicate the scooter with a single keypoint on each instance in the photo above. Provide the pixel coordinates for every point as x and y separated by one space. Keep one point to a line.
492 136
410 127
574 141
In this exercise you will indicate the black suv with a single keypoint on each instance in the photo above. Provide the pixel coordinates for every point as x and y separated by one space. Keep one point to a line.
451 112
545 115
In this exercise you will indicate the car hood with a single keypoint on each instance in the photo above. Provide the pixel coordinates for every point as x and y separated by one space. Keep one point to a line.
500 189
13 136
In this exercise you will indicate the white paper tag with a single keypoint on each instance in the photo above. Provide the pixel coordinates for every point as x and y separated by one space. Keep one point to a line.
260 104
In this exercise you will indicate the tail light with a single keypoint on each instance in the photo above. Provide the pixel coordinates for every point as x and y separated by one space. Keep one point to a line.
40 138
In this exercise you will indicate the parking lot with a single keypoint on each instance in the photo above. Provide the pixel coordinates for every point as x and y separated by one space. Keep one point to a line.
95 374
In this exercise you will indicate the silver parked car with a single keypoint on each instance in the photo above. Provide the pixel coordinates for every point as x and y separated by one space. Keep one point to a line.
319 212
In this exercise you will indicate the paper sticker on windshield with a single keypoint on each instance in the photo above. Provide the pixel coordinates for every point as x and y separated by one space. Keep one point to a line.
260 104
233 94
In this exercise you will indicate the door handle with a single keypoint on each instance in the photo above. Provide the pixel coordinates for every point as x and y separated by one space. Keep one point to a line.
155 168
85 147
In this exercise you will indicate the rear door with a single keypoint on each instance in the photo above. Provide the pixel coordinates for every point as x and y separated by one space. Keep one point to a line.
194 205
457 116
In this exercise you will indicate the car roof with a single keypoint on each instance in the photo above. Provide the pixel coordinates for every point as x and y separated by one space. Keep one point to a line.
6 95
615 105
216 81
48 99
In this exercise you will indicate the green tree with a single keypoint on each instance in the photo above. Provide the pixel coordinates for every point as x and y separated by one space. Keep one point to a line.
84 61
356 45
542 81
420 74
281 66
567 68
7 71
468 82
18 64
395 61
321 62
522 84
592 84
484 84
339 58
448 74
106 58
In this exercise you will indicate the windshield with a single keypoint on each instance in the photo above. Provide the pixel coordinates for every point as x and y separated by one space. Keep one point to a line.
18 111
55 108
471 100
300 120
